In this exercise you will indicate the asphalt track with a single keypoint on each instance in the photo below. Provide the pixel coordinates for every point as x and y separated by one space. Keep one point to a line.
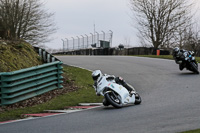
171 101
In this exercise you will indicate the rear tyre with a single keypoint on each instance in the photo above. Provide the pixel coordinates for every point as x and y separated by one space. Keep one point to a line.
138 99
114 99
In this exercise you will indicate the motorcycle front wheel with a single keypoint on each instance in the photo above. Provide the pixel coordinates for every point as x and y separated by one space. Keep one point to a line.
195 67
114 99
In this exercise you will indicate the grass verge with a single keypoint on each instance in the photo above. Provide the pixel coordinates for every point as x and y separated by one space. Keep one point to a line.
193 131
85 93
164 57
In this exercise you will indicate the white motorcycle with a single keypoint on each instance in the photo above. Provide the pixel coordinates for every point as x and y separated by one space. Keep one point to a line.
116 94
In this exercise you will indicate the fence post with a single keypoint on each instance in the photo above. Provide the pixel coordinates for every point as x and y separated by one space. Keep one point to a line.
59 67
1 89
53 59
48 58
40 52
3 84
44 56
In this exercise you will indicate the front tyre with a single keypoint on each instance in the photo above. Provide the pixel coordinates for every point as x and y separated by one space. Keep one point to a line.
114 99
138 99
105 102
194 67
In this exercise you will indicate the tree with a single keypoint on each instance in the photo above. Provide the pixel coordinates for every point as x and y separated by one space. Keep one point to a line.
192 39
25 19
160 20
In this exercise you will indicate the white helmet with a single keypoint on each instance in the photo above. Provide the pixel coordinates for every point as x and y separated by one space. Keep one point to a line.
96 74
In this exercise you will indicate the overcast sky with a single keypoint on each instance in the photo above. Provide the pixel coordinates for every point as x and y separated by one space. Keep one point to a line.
77 17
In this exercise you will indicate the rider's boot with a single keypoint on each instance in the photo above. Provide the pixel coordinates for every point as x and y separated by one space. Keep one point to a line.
130 89
121 81
131 92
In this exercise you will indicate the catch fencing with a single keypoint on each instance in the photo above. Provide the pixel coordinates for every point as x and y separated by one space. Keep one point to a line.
86 41
30 82
117 51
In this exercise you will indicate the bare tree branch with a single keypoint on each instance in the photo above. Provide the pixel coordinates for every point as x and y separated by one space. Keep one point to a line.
159 20
25 19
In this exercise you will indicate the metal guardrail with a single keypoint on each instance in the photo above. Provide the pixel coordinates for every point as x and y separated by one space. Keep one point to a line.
26 83
46 57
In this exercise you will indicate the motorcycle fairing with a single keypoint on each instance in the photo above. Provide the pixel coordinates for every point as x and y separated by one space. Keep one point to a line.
123 93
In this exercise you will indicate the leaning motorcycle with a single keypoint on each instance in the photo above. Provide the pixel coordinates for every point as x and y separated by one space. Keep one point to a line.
190 63
115 94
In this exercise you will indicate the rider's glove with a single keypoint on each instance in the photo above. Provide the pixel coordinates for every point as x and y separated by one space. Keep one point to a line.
192 53
97 94
179 62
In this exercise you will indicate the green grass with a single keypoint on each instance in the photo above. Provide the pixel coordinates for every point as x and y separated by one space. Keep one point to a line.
193 131
82 79
155 56
164 57
16 55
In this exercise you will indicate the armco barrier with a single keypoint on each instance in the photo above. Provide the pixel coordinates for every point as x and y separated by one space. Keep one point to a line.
46 57
26 83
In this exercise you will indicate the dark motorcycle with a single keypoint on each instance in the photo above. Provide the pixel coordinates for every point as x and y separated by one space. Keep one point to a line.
190 63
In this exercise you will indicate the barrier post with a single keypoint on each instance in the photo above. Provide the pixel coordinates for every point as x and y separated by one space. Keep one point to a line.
3 95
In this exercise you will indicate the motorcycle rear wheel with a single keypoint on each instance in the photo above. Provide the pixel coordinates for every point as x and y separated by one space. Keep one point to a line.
138 99
113 99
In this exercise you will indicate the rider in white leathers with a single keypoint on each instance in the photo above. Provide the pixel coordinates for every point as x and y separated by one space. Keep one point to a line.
97 75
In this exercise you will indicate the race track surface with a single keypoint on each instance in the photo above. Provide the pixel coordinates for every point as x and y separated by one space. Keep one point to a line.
170 100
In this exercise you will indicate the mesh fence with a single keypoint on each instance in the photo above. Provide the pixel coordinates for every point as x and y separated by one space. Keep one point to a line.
87 41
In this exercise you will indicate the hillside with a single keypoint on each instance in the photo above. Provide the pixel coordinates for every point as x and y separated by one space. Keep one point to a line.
16 55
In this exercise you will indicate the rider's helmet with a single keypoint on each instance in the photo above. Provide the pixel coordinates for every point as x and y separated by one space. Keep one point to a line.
176 51
96 74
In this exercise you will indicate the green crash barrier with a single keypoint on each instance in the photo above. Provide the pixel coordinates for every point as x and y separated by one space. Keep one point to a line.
30 82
